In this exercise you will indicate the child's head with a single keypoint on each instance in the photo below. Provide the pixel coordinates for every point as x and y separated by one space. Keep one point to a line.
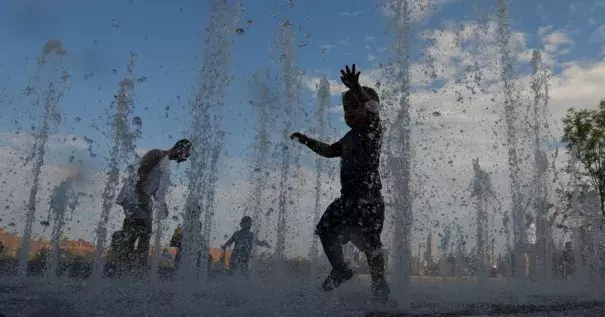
246 223
358 111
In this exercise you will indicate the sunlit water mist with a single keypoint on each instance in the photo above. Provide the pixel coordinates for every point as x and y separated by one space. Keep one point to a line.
511 100
205 135
46 99
290 77
398 158
63 199
121 151
323 106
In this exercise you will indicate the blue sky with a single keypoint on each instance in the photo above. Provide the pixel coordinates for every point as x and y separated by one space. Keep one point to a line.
168 38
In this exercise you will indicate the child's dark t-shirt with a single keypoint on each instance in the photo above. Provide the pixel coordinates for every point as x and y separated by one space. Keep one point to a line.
242 247
360 161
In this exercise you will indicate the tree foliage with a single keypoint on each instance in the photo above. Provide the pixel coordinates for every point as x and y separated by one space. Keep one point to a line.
584 130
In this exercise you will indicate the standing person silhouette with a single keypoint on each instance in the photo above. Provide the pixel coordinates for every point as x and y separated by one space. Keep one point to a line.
136 200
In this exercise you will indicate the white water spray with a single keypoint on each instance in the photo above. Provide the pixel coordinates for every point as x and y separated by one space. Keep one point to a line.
63 199
510 102
289 77
399 160
539 87
323 105
48 100
482 192
205 107
121 151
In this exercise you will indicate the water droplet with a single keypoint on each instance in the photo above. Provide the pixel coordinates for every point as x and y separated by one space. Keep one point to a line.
286 23
436 114
301 44
138 122
239 31
324 50
71 159
291 3
115 23
114 71
141 80
248 23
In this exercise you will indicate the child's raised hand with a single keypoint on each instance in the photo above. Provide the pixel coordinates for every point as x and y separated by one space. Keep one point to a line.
298 136
349 77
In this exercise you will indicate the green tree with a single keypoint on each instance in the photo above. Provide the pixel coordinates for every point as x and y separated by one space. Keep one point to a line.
584 130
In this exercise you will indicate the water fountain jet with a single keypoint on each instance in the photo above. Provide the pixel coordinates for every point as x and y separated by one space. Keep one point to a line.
48 100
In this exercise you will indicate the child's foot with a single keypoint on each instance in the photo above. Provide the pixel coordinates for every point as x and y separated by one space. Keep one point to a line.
336 278
381 290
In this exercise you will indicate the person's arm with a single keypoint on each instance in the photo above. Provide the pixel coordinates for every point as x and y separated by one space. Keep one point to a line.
263 243
323 149
228 243
148 162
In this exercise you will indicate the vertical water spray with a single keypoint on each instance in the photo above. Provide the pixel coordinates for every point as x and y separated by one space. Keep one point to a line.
261 146
160 211
48 100
510 102
581 269
121 151
539 87
399 160
323 105
482 191
217 145
289 77
206 105
63 198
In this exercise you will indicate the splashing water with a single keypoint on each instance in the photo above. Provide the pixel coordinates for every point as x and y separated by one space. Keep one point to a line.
205 108
48 100
323 105
121 151
262 109
63 198
289 77
539 87
482 191
510 102
399 159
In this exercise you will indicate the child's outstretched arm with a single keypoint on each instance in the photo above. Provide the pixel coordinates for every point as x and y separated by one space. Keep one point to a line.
263 243
323 149
228 243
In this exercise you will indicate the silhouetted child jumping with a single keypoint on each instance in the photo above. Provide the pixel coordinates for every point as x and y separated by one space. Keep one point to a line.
358 215
243 239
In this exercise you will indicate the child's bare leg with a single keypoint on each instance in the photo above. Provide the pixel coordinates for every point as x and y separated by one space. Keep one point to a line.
333 249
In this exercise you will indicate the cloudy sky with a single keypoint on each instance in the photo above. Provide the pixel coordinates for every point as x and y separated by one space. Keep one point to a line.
448 38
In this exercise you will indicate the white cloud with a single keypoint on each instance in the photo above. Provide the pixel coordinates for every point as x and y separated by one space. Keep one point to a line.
371 57
369 38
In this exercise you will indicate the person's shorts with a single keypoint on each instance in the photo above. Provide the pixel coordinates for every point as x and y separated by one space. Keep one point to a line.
358 221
